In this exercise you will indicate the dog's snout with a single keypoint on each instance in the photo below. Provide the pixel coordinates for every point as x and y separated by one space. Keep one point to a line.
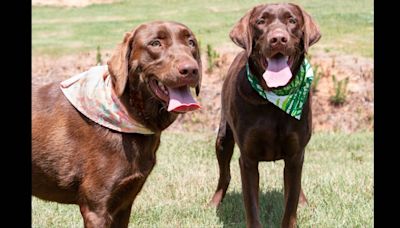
188 69
278 38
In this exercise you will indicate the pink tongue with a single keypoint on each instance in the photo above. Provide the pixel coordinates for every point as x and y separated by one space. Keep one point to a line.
278 72
180 100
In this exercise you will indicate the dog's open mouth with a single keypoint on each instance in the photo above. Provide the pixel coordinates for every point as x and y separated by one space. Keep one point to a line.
178 99
277 72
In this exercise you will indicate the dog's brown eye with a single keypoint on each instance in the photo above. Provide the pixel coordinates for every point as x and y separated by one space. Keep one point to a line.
155 43
260 21
292 21
192 43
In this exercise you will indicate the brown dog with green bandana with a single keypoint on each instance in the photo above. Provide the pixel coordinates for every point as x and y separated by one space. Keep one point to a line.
266 103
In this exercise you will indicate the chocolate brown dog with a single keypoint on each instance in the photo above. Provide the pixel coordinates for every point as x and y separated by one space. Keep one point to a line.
76 158
276 38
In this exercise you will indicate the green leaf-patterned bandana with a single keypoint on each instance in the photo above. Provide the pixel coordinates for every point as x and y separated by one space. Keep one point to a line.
293 96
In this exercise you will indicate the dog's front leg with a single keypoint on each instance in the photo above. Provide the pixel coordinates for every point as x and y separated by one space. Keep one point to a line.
292 186
103 209
250 187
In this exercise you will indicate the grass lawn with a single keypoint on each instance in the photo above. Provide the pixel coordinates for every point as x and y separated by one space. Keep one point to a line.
337 180
338 170
346 26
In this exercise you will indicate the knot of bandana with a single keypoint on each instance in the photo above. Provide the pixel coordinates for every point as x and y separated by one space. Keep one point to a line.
290 98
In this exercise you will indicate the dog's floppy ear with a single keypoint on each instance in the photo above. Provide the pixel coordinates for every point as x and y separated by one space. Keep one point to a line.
311 32
242 33
118 64
200 70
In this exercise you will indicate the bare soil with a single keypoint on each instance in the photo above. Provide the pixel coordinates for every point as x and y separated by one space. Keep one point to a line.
355 114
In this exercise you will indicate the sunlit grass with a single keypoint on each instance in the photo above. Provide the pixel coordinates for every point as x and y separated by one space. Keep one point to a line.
346 26
337 180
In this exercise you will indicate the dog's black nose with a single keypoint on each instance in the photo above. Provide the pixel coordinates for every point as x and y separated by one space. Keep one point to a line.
188 69
278 38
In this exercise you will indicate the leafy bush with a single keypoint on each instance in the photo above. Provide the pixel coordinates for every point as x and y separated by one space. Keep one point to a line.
340 91
317 77
212 57
98 57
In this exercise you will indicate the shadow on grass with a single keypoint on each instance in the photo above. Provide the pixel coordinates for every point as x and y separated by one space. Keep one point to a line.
232 214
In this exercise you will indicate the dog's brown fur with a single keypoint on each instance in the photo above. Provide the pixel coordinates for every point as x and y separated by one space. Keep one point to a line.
77 161
262 131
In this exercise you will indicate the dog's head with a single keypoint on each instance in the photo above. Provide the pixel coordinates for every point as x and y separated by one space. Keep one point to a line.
276 37
163 58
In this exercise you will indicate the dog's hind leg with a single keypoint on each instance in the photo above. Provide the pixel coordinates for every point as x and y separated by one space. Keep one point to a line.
302 198
121 218
94 217
224 149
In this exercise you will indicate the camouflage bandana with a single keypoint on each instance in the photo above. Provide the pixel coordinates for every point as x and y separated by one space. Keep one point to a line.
292 97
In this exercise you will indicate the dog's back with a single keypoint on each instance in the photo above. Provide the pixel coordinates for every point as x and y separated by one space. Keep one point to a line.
57 138
71 152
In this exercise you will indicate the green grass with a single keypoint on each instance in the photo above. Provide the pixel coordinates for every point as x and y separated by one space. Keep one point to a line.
346 26
337 180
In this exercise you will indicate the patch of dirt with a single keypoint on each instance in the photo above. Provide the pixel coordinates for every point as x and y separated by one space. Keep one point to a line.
69 3
355 114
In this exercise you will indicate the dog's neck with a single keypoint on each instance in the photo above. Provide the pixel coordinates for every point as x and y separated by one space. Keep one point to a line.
144 107
244 88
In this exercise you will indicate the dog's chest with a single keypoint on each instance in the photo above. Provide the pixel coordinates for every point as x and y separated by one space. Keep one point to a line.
267 134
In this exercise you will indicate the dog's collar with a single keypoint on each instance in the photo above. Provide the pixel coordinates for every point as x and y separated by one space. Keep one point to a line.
290 98
92 93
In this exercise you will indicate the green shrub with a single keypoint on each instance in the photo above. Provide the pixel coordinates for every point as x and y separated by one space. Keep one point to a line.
98 56
212 57
317 77
340 91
